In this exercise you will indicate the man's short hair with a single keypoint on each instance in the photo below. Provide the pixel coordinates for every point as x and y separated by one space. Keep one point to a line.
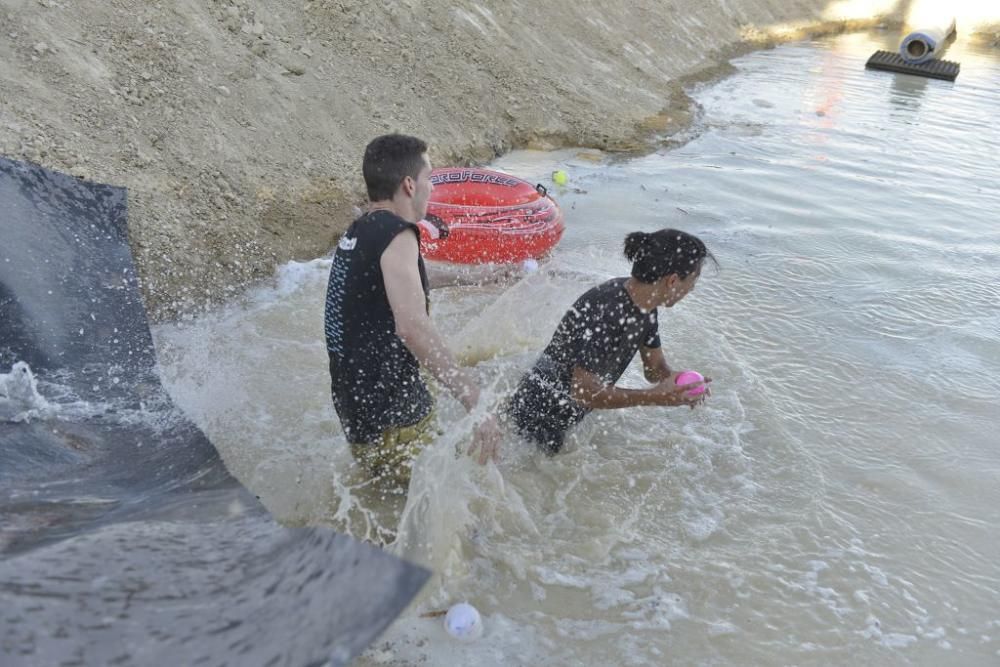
388 160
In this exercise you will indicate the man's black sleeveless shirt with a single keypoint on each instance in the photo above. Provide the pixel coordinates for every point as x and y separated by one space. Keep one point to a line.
601 334
376 381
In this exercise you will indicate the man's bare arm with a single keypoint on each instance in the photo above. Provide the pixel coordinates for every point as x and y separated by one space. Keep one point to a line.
414 326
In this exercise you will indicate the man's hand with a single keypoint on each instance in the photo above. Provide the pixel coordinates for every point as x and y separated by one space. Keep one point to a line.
486 436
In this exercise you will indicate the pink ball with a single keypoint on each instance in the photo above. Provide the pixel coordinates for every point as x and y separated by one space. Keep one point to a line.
688 377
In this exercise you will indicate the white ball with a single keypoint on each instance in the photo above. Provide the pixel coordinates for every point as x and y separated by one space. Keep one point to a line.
463 622
530 265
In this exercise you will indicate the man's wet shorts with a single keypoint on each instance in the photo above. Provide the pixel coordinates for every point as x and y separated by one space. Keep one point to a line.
390 459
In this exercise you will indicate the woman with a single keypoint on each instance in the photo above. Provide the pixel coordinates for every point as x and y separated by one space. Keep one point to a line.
598 337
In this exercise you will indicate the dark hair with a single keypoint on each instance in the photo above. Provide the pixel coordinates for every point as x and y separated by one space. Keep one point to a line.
663 253
388 160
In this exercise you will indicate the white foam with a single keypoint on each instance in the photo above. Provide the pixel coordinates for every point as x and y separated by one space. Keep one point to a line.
295 276
20 400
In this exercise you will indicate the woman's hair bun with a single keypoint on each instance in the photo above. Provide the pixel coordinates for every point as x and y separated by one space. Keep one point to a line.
635 244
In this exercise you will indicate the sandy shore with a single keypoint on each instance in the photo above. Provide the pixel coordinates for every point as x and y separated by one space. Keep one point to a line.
238 125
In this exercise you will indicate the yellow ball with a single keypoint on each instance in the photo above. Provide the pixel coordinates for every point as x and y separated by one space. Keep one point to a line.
560 177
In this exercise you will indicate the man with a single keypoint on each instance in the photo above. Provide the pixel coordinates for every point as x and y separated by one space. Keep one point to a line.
379 334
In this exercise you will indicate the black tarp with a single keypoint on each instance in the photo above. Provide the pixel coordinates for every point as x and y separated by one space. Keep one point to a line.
123 538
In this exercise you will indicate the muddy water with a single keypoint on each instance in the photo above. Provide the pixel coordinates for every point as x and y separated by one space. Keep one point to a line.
835 500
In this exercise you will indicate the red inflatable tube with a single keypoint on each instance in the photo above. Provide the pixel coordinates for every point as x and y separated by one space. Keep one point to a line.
476 216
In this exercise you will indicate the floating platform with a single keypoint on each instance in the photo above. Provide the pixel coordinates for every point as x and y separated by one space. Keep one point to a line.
890 61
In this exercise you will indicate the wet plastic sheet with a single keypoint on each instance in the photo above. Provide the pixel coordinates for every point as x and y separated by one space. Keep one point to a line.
123 539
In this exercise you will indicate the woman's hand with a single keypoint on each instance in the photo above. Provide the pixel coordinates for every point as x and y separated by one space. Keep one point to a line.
669 393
